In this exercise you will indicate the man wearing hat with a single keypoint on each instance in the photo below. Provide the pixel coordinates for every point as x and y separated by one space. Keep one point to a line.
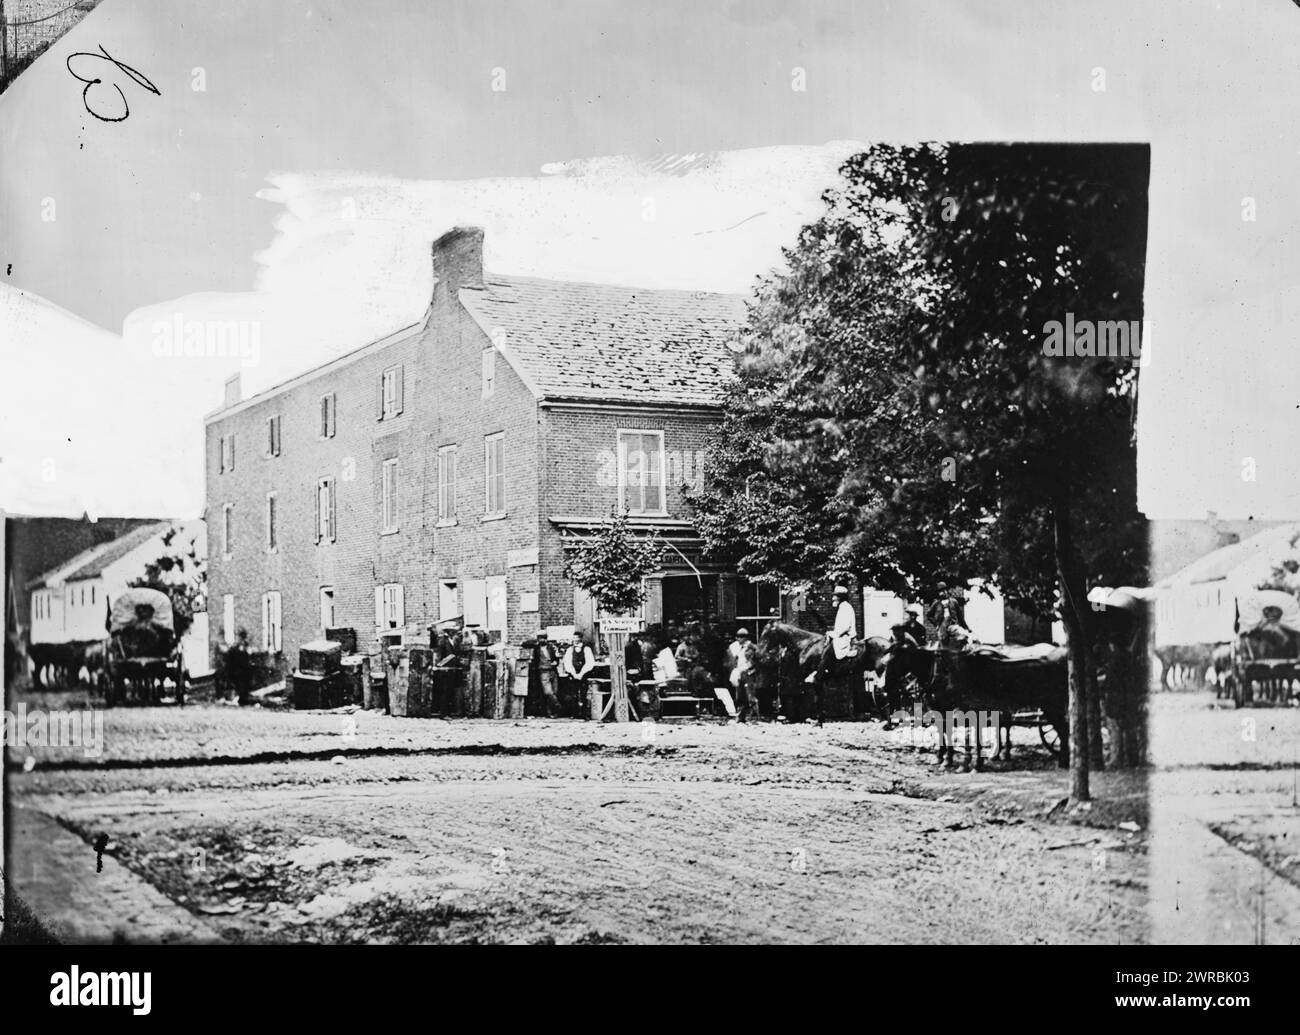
913 626
739 663
845 630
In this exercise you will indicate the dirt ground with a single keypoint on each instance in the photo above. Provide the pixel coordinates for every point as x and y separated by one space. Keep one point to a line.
321 827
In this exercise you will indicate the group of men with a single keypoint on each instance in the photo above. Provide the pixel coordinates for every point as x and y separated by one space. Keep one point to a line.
947 615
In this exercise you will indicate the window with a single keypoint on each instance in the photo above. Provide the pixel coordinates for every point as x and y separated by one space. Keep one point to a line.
489 371
327 615
447 485
640 471
325 510
390 610
271 621
485 603
447 605
271 539
228 618
227 459
495 475
389 494
390 393
327 405
273 435
227 530
757 603
476 610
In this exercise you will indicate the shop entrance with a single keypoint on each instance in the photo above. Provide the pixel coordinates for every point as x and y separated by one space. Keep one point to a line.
685 600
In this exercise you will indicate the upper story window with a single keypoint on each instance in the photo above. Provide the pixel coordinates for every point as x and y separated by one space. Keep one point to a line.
226 457
327 407
325 510
489 371
641 472
494 470
447 485
390 393
388 492
273 435
227 529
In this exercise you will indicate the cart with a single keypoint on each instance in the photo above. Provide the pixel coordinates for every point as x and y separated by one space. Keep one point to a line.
143 652
1266 652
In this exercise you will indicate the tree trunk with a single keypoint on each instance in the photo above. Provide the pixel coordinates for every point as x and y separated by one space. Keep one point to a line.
1074 616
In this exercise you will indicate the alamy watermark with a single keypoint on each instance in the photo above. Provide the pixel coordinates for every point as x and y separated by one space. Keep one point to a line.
201 339
919 727
641 467
61 727
1098 339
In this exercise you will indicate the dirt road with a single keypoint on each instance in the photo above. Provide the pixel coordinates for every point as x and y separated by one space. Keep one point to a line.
571 832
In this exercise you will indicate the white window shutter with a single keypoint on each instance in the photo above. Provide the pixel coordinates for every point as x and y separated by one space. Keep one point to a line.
401 605
399 390
276 616
333 510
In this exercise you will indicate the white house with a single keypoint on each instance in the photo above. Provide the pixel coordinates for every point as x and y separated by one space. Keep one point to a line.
1199 603
986 616
69 604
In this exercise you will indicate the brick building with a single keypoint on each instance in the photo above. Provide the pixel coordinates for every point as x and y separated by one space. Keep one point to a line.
444 470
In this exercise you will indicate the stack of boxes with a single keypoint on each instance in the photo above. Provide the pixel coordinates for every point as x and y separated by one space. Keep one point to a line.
319 682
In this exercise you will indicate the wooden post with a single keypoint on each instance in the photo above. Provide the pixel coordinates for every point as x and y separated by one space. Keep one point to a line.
618 675
615 629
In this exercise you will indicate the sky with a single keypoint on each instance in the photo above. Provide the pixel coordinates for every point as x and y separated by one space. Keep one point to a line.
300 156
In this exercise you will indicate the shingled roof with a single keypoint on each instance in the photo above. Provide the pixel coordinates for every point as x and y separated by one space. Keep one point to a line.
92 562
601 342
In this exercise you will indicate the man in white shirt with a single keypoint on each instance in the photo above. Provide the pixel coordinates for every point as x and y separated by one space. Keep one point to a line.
845 630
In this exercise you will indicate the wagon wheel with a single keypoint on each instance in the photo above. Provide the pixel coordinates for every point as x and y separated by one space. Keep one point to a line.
1051 738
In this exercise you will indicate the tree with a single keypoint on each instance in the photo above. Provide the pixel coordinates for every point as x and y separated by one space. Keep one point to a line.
182 574
897 416
612 565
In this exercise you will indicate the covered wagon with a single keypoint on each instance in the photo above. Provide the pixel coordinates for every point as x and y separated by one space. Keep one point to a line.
143 652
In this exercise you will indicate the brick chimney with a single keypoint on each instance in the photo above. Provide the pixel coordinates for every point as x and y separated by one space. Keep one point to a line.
457 261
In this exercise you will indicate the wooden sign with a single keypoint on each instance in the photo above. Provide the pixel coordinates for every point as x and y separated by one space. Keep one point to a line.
619 624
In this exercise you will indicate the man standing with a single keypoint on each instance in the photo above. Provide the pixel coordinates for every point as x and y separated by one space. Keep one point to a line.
578 662
239 666
544 660
739 663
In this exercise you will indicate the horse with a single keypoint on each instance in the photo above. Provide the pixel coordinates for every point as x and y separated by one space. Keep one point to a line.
809 658
978 684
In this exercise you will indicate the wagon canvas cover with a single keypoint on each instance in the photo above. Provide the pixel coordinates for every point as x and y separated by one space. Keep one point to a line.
123 612
1250 609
